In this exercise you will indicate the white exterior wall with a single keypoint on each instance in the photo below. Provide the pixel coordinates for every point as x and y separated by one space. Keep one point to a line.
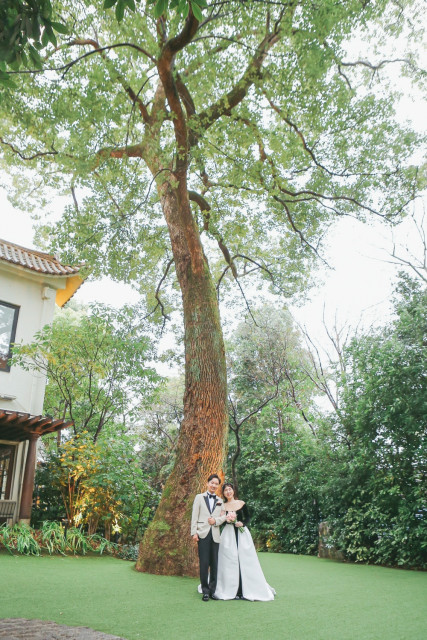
34 294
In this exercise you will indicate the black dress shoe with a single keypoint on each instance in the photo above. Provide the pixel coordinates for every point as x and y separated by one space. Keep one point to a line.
205 597
213 597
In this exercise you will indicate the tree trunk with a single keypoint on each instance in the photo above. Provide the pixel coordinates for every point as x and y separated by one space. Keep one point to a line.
167 547
107 530
92 526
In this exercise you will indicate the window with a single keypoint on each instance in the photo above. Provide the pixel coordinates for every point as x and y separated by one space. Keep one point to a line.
8 320
7 454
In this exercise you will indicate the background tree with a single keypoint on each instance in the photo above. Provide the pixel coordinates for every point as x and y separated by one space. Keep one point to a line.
101 485
415 260
377 504
158 429
267 366
256 130
97 365
271 382
363 468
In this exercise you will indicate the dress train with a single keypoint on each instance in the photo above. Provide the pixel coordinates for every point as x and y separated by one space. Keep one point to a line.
231 557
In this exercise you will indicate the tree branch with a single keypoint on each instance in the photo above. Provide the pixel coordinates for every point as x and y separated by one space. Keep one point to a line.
246 302
131 93
165 68
257 410
177 43
232 98
300 135
67 67
157 296
375 67
205 208
35 155
298 231
134 151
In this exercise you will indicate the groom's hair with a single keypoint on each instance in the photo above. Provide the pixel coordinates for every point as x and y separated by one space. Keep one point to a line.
214 475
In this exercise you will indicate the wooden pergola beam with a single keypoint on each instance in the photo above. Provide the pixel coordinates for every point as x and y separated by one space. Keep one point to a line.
16 426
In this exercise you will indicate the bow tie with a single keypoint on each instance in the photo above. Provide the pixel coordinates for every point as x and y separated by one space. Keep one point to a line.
211 495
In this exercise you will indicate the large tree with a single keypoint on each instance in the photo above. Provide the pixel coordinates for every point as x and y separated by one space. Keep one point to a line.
249 127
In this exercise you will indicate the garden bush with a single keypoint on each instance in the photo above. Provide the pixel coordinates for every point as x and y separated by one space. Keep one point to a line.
52 538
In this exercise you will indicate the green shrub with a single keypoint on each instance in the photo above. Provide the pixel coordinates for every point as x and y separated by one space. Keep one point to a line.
52 538
128 552
20 538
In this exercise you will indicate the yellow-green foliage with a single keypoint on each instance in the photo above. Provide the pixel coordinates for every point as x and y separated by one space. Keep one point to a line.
87 493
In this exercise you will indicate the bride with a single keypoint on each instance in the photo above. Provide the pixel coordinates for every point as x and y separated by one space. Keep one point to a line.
239 572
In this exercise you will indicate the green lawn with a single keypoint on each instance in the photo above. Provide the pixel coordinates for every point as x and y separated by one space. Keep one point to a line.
316 600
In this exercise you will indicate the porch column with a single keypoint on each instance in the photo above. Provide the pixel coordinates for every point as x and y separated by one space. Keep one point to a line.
28 481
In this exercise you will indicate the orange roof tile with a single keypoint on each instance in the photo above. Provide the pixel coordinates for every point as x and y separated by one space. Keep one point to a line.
34 260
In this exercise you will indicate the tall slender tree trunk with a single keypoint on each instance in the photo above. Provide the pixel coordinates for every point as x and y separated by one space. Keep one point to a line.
167 547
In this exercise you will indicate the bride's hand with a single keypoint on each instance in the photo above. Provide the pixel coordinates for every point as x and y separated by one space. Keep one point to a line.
239 524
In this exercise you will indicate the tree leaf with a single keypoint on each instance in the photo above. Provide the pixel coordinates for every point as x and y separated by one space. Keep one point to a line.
35 57
50 35
15 62
120 10
109 3
59 27
45 38
185 9
6 80
196 11
35 32
160 8
27 25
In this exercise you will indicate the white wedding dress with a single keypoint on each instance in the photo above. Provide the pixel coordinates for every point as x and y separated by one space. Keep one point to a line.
231 557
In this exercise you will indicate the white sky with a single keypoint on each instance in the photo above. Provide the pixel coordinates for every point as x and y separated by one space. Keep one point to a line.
360 286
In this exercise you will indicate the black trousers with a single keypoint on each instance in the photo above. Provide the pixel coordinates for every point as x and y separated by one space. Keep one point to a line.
208 559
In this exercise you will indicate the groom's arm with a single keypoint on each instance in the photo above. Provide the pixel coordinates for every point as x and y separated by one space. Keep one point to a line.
219 520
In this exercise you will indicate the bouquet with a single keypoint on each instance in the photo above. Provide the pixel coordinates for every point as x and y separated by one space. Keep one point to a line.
231 518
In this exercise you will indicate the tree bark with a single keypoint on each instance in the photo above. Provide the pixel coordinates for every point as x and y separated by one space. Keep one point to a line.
167 547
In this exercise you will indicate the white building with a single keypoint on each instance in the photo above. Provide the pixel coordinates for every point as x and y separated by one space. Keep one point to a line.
31 283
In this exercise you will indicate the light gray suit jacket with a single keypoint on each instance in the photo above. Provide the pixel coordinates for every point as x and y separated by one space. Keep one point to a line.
200 515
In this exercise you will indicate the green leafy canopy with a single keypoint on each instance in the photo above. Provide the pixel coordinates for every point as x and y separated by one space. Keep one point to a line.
307 139
27 27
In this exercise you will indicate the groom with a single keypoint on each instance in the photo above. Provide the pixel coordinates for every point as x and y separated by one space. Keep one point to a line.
205 522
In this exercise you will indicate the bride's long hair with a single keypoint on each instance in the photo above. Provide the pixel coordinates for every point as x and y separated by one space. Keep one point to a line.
224 486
